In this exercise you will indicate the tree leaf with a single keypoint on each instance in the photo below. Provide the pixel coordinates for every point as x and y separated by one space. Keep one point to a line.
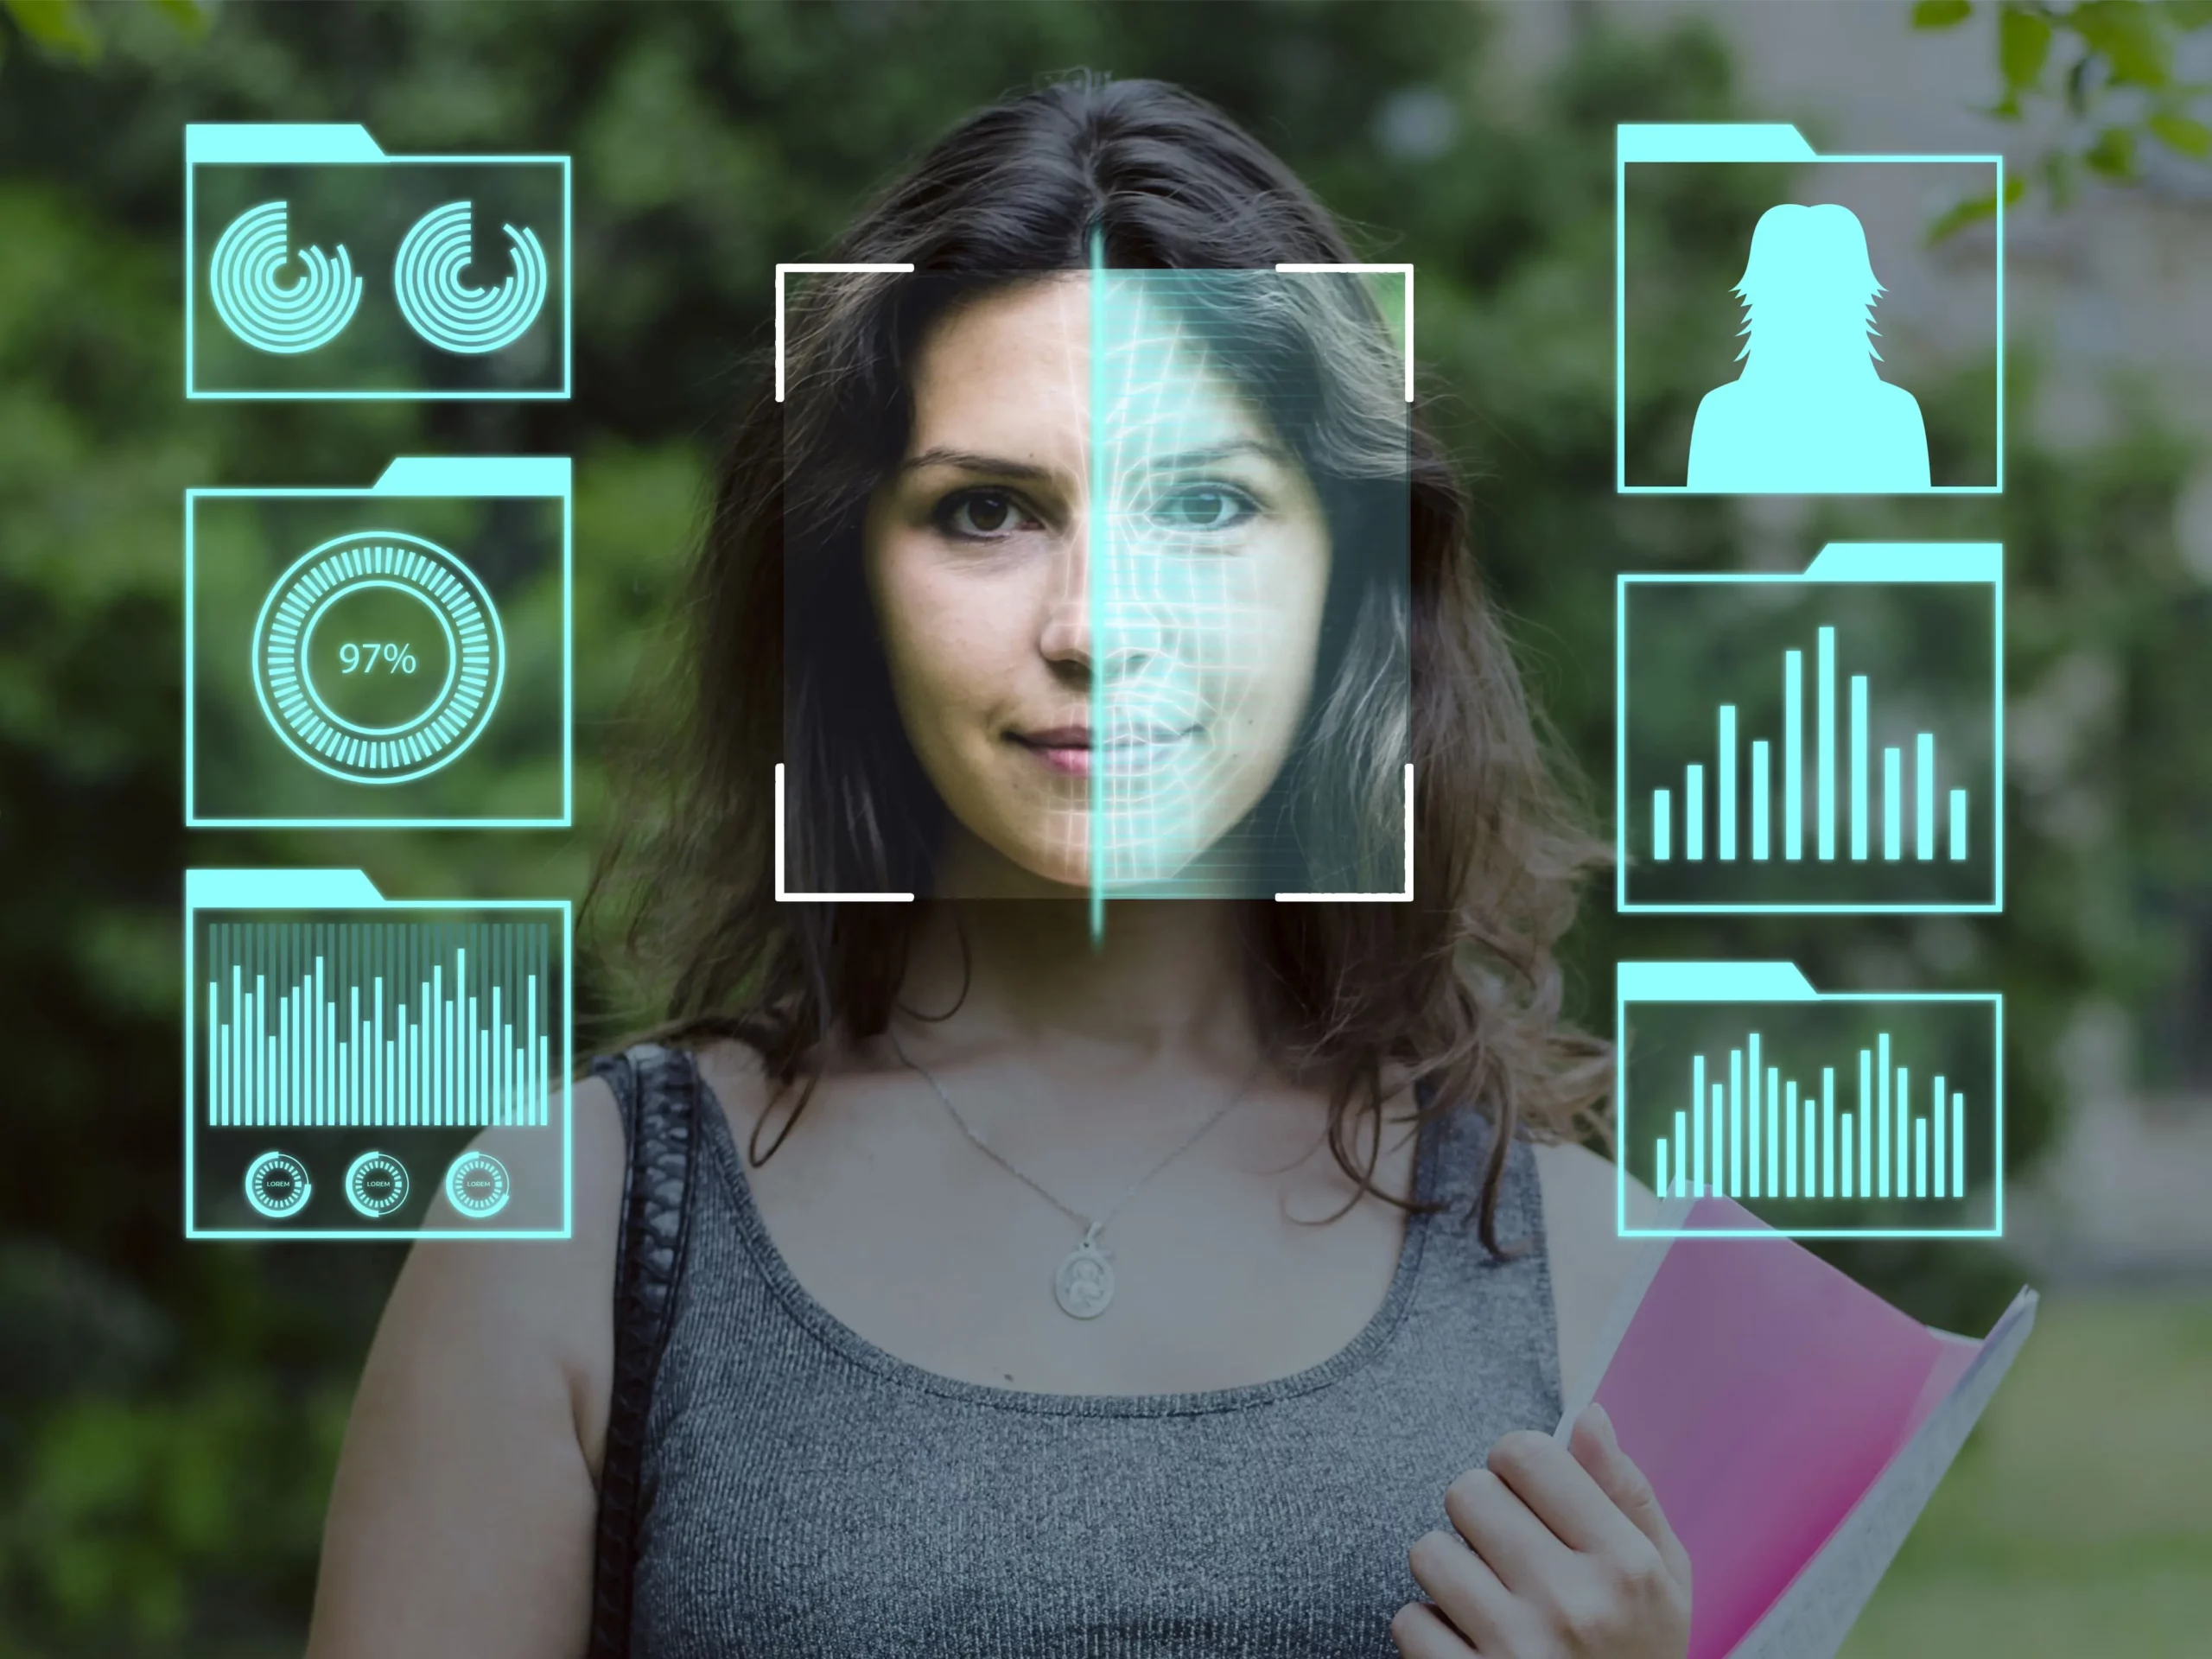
2182 133
2113 154
1956 217
2022 46
1939 14
2128 35
58 25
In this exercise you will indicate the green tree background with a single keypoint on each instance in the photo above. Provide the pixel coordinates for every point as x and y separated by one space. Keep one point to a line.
168 1416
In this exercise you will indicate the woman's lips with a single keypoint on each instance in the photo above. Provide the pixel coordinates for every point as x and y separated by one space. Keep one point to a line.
1066 750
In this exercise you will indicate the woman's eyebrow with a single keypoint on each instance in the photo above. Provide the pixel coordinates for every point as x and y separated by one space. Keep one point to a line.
968 461
1214 452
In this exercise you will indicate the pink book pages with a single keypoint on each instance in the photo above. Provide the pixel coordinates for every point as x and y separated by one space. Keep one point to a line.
1762 1391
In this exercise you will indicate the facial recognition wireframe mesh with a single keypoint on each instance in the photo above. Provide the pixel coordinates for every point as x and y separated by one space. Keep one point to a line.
392 656
364 1067
317 266
1826 1114
1823 741
1837 353
1130 615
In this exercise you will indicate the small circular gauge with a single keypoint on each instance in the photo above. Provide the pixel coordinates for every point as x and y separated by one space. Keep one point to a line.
378 656
376 1184
276 1184
477 1184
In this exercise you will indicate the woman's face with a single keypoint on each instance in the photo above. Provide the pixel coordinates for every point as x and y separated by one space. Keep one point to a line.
1139 662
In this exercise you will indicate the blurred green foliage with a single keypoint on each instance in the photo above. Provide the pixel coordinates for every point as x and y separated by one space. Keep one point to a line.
2111 64
169 1415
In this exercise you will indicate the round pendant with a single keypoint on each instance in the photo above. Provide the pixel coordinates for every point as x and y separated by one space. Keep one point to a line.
1084 1284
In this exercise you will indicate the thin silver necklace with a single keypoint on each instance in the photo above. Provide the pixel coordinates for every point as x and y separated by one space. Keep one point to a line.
1084 1283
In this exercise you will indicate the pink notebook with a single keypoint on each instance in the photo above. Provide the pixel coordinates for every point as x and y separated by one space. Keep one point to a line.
1792 1423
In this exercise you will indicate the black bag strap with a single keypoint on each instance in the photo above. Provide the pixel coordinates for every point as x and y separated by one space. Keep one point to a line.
658 1090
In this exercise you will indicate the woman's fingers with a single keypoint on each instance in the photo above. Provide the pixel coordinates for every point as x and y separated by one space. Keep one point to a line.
1421 1632
1499 1526
1563 1493
1597 1451
1464 1587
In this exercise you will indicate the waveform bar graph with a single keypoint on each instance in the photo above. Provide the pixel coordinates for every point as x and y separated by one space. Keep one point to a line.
1762 1135
1728 813
1828 741
1841 1114
412 1023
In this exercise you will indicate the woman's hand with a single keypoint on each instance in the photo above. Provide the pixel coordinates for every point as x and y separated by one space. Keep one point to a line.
1555 1554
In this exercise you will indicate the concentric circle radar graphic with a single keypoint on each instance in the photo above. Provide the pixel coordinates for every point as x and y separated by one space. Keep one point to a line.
276 1184
449 717
450 313
257 305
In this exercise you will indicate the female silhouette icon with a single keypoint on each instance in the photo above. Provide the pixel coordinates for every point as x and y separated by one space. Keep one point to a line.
1809 415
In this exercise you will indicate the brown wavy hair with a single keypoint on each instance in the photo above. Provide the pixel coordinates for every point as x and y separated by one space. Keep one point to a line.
1461 987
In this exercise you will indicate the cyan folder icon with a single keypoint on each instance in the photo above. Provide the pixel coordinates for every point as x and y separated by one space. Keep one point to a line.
1803 400
1826 741
397 656
317 266
1828 1115
364 1067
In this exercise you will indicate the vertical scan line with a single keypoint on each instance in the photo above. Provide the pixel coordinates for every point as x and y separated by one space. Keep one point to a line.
1892 802
1849 1179
1659 1169
1919 1157
1724 810
1760 791
1793 755
1826 763
1923 796
1697 1112
1662 828
1694 812
215 1050
1812 1163
1958 823
1858 766
1958 1143
1828 1133
1682 1152
1882 1108
1096 545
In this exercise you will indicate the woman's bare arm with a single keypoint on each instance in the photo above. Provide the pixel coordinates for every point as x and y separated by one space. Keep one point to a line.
461 1519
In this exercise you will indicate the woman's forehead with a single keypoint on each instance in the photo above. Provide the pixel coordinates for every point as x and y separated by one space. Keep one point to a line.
1039 355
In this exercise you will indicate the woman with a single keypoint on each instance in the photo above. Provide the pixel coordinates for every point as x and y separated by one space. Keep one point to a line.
1007 1273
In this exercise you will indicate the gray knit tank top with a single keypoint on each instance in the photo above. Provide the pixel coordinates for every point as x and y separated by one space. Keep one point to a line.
803 1494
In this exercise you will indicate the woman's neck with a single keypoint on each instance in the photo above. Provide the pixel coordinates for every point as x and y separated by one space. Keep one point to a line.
1163 980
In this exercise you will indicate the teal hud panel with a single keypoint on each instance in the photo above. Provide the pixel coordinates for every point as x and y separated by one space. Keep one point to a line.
1826 741
1779 377
1171 597
317 266
1827 1115
359 1067
395 656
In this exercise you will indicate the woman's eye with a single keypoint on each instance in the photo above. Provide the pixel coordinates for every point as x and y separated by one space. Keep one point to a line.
1205 507
980 514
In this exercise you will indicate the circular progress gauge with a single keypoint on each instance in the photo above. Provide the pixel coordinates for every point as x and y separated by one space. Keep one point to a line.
378 656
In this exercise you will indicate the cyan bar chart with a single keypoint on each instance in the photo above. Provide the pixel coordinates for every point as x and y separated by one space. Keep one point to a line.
361 1067
414 1024
1827 741
1827 1115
